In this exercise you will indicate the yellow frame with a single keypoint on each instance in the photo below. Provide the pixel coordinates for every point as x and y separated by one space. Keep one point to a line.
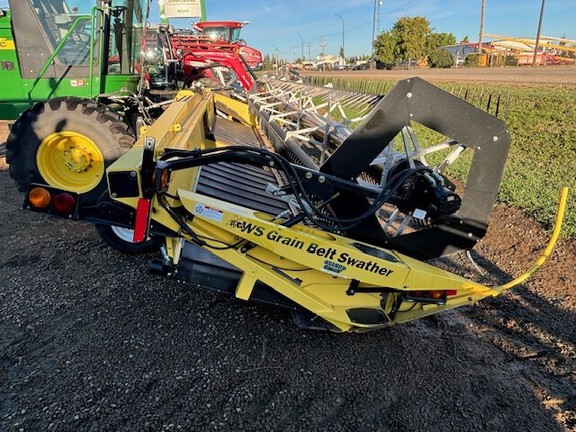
319 271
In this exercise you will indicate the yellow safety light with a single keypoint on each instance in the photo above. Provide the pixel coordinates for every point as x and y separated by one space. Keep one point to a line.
39 197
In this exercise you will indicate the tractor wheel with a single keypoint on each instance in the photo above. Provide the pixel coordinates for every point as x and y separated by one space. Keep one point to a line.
67 143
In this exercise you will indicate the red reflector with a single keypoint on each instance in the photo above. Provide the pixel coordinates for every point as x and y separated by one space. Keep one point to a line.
64 203
141 223
451 292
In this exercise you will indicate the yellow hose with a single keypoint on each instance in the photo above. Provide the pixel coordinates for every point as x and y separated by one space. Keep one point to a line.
547 251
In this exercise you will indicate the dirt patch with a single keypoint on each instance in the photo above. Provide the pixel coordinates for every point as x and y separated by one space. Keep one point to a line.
90 341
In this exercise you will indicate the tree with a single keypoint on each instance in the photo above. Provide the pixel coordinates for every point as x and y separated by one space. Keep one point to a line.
440 58
267 62
409 38
411 35
385 47
438 40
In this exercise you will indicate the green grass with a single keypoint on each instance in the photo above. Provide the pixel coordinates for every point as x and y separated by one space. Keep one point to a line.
542 159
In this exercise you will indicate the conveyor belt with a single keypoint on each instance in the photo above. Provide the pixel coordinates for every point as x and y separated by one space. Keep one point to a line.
234 133
240 184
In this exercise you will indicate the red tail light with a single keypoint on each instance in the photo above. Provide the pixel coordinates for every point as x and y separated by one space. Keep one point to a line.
64 203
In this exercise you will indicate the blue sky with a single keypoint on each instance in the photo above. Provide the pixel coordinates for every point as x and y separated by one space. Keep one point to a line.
275 24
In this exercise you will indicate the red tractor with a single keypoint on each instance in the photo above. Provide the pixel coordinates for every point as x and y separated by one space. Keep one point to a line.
229 33
176 58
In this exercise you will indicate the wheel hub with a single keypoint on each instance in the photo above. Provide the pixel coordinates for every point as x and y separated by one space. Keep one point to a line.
77 159
70 160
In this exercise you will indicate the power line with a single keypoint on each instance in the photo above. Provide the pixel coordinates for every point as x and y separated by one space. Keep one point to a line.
363 25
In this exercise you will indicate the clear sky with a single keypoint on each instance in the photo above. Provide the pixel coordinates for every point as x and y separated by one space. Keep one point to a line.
275 24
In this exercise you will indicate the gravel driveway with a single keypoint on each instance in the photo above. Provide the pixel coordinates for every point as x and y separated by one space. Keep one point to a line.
90 341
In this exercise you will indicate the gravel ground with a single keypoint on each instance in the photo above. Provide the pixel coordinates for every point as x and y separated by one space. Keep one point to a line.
90 341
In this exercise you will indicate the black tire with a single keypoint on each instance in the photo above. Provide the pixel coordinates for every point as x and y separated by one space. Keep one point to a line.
67 115
118 238
121 238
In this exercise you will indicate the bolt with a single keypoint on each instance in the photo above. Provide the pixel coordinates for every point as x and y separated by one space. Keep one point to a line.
409 95
321 179
308 175
132 174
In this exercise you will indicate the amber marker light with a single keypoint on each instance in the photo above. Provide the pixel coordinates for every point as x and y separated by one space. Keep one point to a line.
39 197
436 294
164 179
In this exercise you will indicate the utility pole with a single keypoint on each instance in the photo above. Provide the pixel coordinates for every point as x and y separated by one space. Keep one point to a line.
481 27
375 21
343 31
276 63
309 51
302 41
322 45
538 34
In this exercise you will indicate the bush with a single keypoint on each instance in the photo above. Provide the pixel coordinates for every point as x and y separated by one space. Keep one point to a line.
441 58
472 60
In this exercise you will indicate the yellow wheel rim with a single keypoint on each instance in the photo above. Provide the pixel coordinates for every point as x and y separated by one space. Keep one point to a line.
70 161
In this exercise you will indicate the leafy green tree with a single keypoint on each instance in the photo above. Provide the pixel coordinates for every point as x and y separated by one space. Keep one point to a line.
411 35
385 47
441 58
409 38
437 40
